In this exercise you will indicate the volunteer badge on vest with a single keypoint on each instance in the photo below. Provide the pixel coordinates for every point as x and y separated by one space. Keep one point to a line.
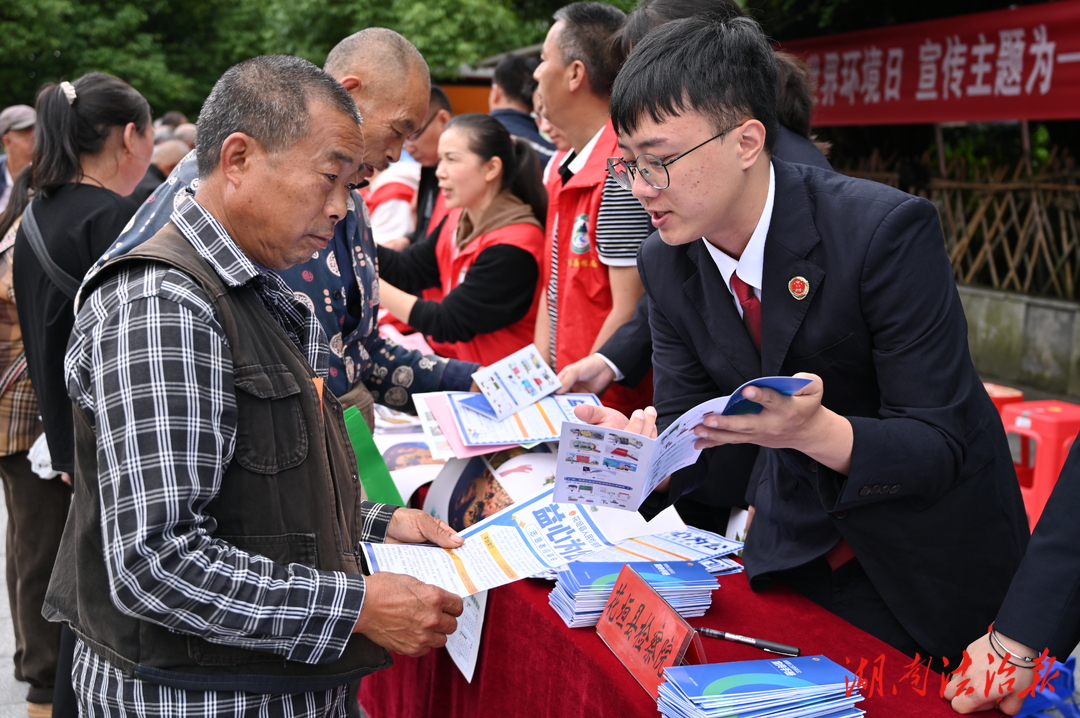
579 238
799 287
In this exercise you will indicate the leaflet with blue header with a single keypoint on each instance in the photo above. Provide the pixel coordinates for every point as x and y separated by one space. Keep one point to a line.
522 540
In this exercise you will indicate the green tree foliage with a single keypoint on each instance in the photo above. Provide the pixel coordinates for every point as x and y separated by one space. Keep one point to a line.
448 33
173 51
170 51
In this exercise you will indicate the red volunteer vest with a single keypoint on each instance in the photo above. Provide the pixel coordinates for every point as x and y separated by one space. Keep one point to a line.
584 290
431 294
454 265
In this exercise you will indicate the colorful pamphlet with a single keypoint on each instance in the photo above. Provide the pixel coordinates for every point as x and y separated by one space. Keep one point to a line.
619 469
535 423
522 540
582 589
511 384
803 687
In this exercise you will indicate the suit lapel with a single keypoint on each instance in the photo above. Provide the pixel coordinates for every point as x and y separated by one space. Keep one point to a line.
707 293
792 234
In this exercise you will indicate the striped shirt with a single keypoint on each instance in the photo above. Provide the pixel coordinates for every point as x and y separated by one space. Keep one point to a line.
622 224
150 364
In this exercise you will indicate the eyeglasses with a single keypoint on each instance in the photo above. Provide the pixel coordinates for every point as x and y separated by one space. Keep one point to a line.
416 135
653 170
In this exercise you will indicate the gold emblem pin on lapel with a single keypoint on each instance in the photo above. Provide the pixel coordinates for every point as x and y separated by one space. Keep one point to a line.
799 287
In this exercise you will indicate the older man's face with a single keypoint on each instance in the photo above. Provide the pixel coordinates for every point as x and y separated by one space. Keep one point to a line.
390 115
287 205
19 145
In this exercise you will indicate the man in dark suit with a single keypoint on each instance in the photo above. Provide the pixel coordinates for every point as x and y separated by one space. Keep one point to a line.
884 490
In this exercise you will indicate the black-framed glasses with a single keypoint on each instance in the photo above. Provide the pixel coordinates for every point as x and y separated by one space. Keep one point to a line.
416 135
652 169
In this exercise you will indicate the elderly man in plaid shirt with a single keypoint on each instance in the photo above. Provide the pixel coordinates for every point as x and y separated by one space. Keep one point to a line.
210 565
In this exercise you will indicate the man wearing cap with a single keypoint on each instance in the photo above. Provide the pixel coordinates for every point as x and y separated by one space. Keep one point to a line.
17 134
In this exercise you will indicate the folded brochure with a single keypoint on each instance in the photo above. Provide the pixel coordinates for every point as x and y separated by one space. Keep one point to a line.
520 541
619 469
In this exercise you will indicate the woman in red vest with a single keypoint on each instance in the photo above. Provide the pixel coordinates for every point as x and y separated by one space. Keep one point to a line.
486 255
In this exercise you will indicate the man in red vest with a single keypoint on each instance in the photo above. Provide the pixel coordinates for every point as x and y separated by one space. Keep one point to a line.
594 227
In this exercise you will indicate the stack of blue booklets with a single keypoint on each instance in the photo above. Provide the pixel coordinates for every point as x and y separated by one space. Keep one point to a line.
803 687
582 589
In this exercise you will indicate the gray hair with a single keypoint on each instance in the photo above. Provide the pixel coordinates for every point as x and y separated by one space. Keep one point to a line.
267 98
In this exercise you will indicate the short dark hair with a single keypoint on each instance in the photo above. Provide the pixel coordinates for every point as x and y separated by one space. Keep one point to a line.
439 101
514 74
67 129
722 67
587 36
650 14
269 99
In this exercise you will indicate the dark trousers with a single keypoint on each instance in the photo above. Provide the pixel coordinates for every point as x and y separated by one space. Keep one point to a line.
37 509
848 593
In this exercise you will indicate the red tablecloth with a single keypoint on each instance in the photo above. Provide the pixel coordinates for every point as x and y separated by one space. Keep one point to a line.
532 665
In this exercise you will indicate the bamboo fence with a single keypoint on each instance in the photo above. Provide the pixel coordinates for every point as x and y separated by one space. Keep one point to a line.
1005 228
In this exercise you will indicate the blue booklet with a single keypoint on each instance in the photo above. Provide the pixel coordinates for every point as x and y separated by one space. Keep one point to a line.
802 687
582 589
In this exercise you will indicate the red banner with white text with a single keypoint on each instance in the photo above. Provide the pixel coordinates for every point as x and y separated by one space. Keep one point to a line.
1022 63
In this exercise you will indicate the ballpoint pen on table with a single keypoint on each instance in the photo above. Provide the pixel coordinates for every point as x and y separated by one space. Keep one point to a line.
769 646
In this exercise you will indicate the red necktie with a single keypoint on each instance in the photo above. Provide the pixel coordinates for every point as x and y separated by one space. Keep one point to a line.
751 308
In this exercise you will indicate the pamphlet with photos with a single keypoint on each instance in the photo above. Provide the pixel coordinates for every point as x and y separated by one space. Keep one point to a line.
619 469
511 384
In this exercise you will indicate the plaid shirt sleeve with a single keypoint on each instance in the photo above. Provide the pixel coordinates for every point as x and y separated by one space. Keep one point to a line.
150 364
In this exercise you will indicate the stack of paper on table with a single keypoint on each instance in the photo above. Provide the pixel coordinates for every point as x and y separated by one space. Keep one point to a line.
685 544
803 687
583 589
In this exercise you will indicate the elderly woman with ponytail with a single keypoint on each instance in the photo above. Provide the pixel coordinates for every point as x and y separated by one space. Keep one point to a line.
486 254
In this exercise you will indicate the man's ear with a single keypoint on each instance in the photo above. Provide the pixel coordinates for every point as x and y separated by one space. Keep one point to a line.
238 154
576 75
751 142
442 119
353 84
